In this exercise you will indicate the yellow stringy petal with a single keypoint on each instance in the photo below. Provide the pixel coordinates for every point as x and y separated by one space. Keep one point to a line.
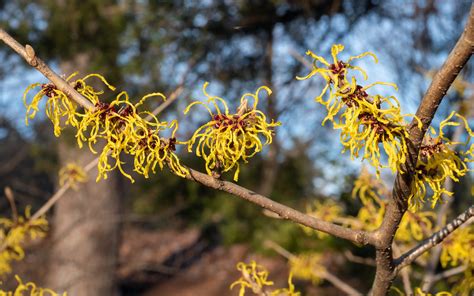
227 139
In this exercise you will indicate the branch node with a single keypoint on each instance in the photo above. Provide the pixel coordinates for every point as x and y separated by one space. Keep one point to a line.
31 55
361 238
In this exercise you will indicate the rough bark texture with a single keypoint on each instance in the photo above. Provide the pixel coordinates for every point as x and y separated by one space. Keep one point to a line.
398 204
442 214
85 226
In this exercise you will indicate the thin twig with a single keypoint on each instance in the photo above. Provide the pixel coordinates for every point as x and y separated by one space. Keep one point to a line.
434 239
338 283
28 53
174 95
300 58
61 191
279 249
285 212
341 285
11 201
405 273
51 201
449 273
357 259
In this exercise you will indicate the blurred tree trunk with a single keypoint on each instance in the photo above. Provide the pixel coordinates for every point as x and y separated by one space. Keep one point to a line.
85 224
270 162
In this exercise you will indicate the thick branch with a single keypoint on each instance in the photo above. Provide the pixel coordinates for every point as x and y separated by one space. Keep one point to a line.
430 270
359 237
28 53
397 206
433 240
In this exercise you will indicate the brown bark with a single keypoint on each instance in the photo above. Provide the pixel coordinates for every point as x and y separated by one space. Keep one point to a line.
442 214
284 212
398 204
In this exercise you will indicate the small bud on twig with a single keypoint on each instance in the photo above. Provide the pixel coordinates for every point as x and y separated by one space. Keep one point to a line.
31 55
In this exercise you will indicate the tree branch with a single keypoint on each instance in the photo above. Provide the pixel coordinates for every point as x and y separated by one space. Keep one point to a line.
361 260
433 240
287 213
359 237
442 213
326 275
27 52
449 273
398 204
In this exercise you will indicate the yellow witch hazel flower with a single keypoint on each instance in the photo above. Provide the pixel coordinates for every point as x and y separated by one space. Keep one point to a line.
255 278
327 210
370 216
29 289
368 127
367 188
228 138
415 226
58 105
119 125
437 161
126 129
73 174
308 267
369 191
366 122
458 248
335 75
466 284
14 233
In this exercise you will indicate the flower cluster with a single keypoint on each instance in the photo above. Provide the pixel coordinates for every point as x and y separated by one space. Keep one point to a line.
127 130
370 216
414 226
255 278
29 289
59 107
367 122
458 247
73 174
13 234
327 210
367 188
437 161
118 127
466 284
369 191
308 267
228 138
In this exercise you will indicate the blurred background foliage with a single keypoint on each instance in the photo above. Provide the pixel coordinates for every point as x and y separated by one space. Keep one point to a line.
144 46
